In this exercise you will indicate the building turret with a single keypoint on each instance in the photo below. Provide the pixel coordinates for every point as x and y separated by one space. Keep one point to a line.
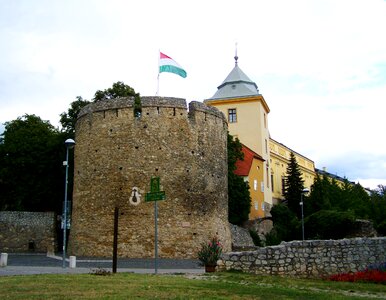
238 97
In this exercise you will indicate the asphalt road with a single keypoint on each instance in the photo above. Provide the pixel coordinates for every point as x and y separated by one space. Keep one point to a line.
31 263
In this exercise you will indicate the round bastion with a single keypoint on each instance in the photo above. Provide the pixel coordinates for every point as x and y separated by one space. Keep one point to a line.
117 154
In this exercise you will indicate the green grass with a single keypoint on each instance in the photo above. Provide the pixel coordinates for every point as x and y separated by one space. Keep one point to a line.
227 285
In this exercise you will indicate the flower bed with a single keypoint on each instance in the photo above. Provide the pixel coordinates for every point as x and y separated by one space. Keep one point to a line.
374 273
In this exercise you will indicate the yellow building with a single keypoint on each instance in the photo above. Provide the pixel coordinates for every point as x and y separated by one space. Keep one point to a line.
251 168
247 112
280 155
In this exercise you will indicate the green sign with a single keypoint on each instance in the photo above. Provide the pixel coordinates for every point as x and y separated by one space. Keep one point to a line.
154 184
155 196
155 193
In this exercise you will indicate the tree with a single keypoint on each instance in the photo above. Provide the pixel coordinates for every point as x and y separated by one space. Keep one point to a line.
329 224
378 209
119 89
286 225
239 199
68 119
31 173
294 185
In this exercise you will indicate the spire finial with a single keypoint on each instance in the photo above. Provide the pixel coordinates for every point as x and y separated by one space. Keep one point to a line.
236 57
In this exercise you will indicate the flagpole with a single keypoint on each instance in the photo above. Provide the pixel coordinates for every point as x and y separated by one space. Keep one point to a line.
157 92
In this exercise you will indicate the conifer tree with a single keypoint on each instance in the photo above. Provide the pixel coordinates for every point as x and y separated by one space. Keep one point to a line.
294 185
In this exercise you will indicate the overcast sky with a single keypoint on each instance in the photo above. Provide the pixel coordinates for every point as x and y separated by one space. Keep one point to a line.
320 65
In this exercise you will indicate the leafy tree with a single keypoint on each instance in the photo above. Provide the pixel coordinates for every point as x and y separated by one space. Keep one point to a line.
31 173
329 224
357 200
286 226
239 199
119 89
68 119
325 194
294 185
378 209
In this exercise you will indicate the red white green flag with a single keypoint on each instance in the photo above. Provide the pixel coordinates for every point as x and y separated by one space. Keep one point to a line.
167 64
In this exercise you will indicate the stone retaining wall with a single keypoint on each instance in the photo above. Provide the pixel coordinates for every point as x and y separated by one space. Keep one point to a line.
22 231
309 258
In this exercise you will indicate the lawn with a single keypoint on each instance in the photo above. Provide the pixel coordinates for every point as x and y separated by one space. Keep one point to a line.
227 285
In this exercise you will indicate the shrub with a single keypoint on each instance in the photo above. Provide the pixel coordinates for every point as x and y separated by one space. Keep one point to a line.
381 228
286 226
271 238
329 224
255 238
210 252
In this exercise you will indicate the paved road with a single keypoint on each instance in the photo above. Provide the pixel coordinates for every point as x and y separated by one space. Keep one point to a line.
25 264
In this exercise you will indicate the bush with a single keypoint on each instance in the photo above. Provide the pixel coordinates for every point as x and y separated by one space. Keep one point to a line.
272 239
329 224
286 225
255 238
381 228
210 252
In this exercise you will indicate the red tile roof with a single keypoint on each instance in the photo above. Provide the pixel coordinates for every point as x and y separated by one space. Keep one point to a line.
243 166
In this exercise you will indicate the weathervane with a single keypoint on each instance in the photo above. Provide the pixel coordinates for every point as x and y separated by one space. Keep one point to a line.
236 57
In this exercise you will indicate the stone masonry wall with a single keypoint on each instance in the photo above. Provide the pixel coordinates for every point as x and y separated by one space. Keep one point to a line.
116 152
308 258
22 231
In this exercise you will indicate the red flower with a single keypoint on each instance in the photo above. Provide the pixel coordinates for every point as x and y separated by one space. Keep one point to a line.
363 276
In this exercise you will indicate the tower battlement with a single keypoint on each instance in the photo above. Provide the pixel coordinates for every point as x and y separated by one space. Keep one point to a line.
117 152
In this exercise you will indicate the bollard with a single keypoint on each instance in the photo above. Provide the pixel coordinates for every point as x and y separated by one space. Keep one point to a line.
72 262
3 259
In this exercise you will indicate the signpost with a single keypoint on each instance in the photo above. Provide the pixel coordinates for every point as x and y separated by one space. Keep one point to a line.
115 240
155 195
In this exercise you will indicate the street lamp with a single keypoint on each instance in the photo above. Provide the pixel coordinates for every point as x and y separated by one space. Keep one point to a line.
304 191
70 143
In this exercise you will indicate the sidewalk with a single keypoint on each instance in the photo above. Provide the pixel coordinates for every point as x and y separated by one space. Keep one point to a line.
29 264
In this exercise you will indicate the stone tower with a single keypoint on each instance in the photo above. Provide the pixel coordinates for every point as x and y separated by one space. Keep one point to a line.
116 152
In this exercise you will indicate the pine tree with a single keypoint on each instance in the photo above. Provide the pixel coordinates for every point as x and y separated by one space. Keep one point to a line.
294 185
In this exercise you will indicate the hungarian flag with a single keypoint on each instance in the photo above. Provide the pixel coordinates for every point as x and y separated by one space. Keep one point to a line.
167 64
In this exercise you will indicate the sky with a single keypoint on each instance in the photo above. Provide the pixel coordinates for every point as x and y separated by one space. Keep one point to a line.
320 64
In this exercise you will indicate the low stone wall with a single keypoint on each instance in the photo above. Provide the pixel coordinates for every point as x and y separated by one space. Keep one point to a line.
309 258
22 231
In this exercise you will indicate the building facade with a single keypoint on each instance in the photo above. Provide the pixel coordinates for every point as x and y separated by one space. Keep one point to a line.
246 110
252 170
280 156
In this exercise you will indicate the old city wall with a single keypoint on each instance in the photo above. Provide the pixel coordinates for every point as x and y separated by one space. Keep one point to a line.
309 258
22 231
117 151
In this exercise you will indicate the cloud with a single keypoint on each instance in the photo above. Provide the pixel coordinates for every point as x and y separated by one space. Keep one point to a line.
321 65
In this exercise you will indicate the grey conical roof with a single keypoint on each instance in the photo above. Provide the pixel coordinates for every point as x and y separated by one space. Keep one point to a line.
237 84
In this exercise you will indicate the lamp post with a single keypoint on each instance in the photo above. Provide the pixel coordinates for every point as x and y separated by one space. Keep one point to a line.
304 191
70 143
